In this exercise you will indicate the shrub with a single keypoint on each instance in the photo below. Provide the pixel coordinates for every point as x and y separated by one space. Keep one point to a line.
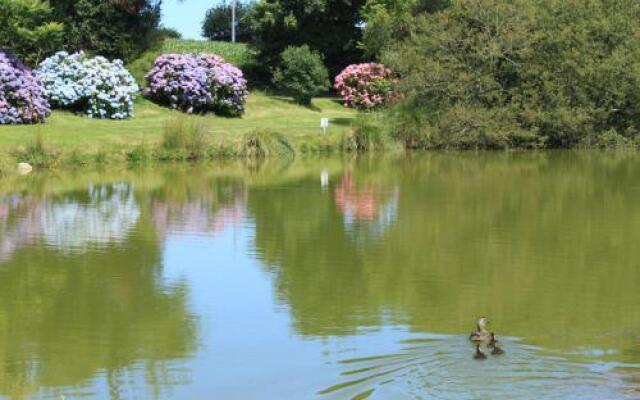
93 85
553 73
197 83
365 86
302 74
22 99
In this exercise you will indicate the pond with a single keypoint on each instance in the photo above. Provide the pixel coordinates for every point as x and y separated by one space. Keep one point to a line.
338 278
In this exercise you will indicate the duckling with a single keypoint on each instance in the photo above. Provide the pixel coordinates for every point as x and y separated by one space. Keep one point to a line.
495 345
479 355
481 334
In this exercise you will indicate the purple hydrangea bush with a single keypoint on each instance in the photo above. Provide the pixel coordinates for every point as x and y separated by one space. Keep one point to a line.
22 98
197 83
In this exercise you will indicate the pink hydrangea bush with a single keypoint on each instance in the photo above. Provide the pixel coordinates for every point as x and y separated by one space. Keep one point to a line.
365 86
197 83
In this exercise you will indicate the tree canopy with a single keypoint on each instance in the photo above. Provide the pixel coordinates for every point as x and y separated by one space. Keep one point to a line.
496 73
28 29
115 29
331 27
217 22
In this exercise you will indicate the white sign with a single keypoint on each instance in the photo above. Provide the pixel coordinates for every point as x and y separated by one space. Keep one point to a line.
324 124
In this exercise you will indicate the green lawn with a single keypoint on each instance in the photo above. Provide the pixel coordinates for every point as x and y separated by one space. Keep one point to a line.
67 132
66 135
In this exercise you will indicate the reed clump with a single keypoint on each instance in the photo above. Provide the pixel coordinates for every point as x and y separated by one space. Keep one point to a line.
266 143
183 139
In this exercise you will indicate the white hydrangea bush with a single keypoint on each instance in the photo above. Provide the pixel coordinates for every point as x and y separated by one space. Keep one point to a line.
95 86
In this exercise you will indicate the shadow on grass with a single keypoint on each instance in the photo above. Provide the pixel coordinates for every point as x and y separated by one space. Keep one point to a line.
342 121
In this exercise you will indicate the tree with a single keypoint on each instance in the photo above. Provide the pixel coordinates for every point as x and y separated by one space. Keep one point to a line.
330 27
516 73
217 22
28 30
115 29
386 21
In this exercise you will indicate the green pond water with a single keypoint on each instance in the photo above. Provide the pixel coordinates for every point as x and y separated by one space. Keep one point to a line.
324 279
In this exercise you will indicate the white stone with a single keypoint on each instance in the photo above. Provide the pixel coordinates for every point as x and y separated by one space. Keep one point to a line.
24 168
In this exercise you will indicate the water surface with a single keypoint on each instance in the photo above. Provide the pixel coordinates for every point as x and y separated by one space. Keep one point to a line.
329 279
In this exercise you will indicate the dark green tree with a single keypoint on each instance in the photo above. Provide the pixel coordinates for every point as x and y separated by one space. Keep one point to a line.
331 27
217 22
386 21
115 29
516 73
27 29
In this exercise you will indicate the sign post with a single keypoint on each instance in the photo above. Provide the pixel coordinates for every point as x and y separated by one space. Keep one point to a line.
324 124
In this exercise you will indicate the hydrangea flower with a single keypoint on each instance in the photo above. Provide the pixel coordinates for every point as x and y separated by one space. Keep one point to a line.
365 86
95 86
197 83
22 98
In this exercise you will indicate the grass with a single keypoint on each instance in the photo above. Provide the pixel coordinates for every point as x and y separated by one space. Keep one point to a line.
238 54
148 134
271 126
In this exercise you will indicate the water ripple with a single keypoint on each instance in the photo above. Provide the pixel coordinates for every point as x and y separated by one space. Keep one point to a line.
443 368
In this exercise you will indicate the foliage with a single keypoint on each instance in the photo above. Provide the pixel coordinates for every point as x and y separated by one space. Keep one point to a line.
495 73
22 98
386 21
28 30
217 22
365 86
301 74
114 29
197 83
93 85
327 26
236 53
167 33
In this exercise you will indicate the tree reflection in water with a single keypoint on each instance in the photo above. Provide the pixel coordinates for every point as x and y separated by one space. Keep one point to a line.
82 294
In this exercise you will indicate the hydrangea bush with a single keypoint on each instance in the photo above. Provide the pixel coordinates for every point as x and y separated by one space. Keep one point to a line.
365 86
93 85
22 99
197 83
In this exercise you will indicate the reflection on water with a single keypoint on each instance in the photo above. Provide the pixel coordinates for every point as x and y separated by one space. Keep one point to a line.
191 282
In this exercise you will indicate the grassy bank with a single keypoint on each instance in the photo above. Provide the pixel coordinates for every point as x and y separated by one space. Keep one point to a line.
270 124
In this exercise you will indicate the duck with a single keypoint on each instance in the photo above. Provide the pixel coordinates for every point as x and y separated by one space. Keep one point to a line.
479 355
481 334
495 345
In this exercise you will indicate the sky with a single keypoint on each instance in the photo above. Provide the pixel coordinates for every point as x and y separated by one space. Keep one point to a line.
186 16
